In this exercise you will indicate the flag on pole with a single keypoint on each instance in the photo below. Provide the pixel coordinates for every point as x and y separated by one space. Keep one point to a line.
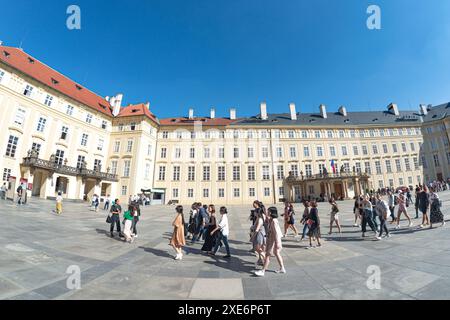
333 166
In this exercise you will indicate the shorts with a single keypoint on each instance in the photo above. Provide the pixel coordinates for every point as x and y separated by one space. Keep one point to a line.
334 217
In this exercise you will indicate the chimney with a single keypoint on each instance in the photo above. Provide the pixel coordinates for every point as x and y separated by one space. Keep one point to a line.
323 111
116 103
263 107
393 109
191 113
212 113
343 111
423 109
429 107
293 111
147 105
232 114
107 98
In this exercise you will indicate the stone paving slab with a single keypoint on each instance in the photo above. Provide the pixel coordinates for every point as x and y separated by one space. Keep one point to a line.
38 246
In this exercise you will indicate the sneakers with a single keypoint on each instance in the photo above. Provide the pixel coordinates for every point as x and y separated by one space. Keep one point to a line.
283 270
260 273
179 256
355 225
389 235
410 224
378 238
397 227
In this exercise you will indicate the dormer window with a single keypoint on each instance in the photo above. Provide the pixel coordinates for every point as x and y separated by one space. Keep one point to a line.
6 54
54 81
78 87
30 60
28 90
375 120
346 120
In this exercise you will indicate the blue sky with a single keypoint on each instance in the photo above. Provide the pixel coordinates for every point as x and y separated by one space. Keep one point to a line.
237 53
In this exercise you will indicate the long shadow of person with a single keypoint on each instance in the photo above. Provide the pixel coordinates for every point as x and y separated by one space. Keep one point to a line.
157 252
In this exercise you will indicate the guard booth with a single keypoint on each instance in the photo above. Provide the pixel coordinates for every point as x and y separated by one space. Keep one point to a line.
156 196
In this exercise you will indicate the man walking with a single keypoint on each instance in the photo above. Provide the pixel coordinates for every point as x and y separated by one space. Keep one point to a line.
382 210
107 201
391 203
116 210
3 191
203 219
19 194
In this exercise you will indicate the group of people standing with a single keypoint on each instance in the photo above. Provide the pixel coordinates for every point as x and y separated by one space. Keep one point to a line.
203 226
130 219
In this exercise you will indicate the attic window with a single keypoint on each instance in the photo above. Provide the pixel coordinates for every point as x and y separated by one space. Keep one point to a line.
54 81
274 120
6 54
435 116
30 60
312 120
78 87
104 107
134 110
374 120
174 120
347 120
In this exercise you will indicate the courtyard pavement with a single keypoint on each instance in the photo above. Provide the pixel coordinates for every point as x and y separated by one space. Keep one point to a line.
37 247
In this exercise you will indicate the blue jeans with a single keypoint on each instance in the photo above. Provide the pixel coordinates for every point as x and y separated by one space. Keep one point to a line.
199 234
367 219
223 239
305 228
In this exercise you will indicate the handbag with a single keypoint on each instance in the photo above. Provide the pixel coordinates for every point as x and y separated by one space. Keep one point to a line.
309 222
108 219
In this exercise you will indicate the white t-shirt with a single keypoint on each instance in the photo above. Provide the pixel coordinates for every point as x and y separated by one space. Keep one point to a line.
59 199
223 225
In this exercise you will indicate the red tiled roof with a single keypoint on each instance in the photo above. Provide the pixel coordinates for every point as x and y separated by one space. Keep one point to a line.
23 62
187 122
137 110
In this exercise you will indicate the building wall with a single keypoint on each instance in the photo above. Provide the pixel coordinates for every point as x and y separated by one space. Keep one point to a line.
436 150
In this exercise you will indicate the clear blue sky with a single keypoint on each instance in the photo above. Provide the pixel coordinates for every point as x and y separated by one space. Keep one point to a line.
237 53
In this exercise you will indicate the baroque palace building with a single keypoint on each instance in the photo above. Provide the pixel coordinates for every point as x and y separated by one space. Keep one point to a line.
58 135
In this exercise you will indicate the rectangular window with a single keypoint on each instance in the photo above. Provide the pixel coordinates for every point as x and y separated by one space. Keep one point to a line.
124 190
236 192
398 165
126 168
374 149
177 153
114 166
317 134
291 134
424 162
394 148
236 152
174 193
378 167
388 166
84 139
358 167
19 119
436 160
116 146
251 192
294 169
367 167
266 192
100 144
281 191
344 150
364 150
265 173
205 193
311 189
64 132
279 152
319 151
163 153
11 147
206 153
403 147
149 150
265 152
416 163
251 173
332 151
190 193
304 134
221 173
206 173
129 145
280 172
133 126
221 152
407 164
89 118
192 153
69 110
341 134
221 192
2 74
236 173
104 124
28 90
41 124
250 152
321 168
6 174
380 184
80 161
176 173
162 173
48 100
391 183
306 151
191 173
36 147
179 135
355 150
385 148
308 170
293 152
97 164
400 181
165 134
59 157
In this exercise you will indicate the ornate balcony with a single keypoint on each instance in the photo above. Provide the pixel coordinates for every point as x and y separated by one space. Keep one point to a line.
33 162
328 176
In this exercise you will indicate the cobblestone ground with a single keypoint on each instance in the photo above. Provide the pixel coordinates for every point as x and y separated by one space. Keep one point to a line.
37 247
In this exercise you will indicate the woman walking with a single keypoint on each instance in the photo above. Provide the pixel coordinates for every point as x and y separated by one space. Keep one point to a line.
402 209
367 216
305 218
210 240
436 215
128 222
178 240
314 224
357 210
274 245
424 205
258 236
192 226
224 233
59 200
334 217
289 220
